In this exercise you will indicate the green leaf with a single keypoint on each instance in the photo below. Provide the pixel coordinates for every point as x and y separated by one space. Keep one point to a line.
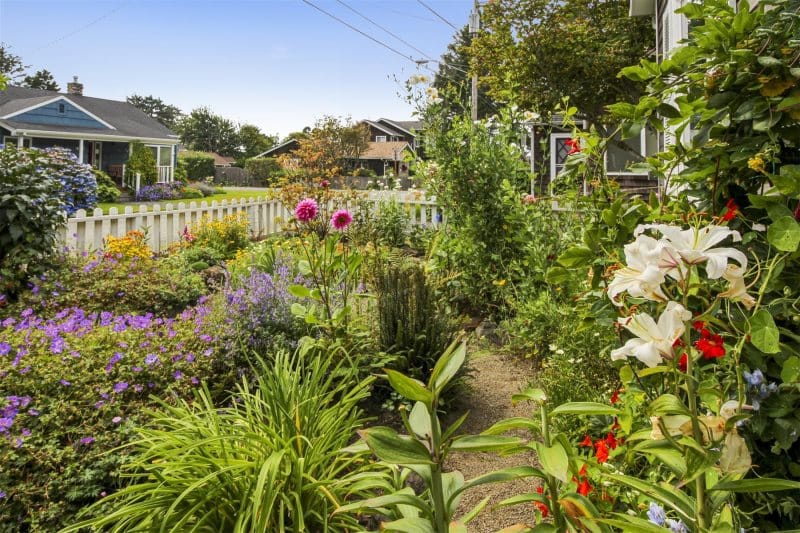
554 460
787 182
509 424
409 388
757 485
769 61
791 370
299 310
501 476
485 443
667 496
409 525
668 404
448 365
393 448
301 291
420 421
304 267
475 511
557 275
585 408
633 524
527 497
398 498
529 395
784 234
788 102
576 256
763 333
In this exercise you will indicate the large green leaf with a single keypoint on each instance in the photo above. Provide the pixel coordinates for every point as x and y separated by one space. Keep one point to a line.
757 485
403 497
509 424
790 372
585 408
763 333
576 256
501 476
784 234
485 443
408 387
668 404
393 448
420 421
632 523
667 496
448 365
409 525
554 460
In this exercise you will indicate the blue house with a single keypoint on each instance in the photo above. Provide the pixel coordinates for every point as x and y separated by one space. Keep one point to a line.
98 131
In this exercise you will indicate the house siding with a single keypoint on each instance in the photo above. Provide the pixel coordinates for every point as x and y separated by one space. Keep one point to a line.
49 114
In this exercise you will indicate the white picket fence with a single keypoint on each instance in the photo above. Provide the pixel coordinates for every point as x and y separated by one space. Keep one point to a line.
163 224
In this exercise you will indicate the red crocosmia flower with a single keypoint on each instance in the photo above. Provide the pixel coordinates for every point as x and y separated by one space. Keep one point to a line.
582 471
712 346
586 442
615 426
615 396
732 210
574 146
601 451
682 362
699 325
542 506
584 488
611 440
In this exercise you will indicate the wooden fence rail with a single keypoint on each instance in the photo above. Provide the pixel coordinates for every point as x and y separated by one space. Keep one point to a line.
86 232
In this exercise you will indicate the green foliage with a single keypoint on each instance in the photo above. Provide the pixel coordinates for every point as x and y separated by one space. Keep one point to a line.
198 165
30 216
41 79
253 142
142 161
262 170
271 461
226 236
168 115
204 131
11 66
191 192
107 190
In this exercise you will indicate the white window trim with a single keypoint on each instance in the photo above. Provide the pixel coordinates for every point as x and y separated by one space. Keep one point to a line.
553 154
642 152
380 138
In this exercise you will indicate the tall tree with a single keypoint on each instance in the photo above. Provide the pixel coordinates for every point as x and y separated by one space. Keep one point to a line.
167 114
535 52
11 65
329 149
252 142
453 80
204 131
41 79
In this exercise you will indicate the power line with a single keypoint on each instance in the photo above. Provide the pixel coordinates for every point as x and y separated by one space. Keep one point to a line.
370 37
426 56
84 27
429 8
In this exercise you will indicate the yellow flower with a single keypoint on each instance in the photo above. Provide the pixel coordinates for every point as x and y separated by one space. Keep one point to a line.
756 163
500 282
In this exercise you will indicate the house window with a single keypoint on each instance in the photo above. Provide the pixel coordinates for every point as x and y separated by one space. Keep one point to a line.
61 108
559 150
12 141
380 138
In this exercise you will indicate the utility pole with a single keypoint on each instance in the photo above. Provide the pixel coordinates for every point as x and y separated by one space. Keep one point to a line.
474 27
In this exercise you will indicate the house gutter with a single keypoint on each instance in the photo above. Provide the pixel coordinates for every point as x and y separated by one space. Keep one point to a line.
21 132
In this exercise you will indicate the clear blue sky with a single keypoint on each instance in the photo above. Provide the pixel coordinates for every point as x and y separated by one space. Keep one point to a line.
278 64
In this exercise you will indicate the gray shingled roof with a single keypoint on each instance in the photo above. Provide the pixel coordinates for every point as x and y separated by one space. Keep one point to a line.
130 122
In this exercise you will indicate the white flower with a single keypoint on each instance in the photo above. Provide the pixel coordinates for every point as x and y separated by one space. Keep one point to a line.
737 290
643 273
694 246
653 340
432 92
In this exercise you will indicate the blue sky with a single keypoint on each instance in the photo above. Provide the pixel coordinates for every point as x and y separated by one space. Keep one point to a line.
278 64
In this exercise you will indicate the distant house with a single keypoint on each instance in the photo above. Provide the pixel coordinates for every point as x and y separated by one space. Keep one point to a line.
220 161
280 149
98 131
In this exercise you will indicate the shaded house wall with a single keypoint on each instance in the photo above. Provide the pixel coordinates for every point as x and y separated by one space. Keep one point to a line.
60 113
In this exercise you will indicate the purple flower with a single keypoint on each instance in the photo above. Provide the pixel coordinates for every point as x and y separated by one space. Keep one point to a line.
116 419
341 219
177 375
114 360
65 382
3 494
306 210
87 440
4 348
120 387
151 359
206 338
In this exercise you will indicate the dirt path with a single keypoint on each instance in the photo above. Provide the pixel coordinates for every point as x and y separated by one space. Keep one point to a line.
495 378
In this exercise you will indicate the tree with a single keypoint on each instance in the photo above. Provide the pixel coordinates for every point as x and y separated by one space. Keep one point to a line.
204 131
253 142
533 53
11 65
329 149
166 114
41 79
453 80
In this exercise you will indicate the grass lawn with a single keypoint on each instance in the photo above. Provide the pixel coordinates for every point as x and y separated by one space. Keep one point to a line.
229 194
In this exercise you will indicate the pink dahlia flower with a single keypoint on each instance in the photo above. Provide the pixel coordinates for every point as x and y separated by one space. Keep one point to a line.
306 210
341 219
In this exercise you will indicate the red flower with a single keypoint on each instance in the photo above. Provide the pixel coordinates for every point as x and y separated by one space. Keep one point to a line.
732 210
615 426
712 346
586 442
584 488
699 325
542 506
611 440
574 146
582 471
601 451
683 362
615 396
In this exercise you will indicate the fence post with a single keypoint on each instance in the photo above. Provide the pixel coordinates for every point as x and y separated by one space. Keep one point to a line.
138 181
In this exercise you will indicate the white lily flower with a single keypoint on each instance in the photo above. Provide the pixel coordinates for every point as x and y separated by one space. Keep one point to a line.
641 276
654 340
737 290
695 245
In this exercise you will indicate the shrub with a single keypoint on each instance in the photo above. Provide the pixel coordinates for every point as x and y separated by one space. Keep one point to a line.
271 461
132 245
226 236
160 191
107 190
72 388
391 224
206 189
143 162
96 283
198 165
191 192
262 170
78 182
31 214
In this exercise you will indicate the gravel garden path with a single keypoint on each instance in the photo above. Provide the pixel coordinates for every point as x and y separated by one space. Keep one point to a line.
495 378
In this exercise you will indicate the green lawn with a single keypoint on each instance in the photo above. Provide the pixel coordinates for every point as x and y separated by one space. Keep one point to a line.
230 194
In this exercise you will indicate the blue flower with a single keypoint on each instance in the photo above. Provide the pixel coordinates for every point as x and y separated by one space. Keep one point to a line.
656 514
755 378
676 526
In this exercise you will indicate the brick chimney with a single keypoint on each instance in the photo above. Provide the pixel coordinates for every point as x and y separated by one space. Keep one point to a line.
74 87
